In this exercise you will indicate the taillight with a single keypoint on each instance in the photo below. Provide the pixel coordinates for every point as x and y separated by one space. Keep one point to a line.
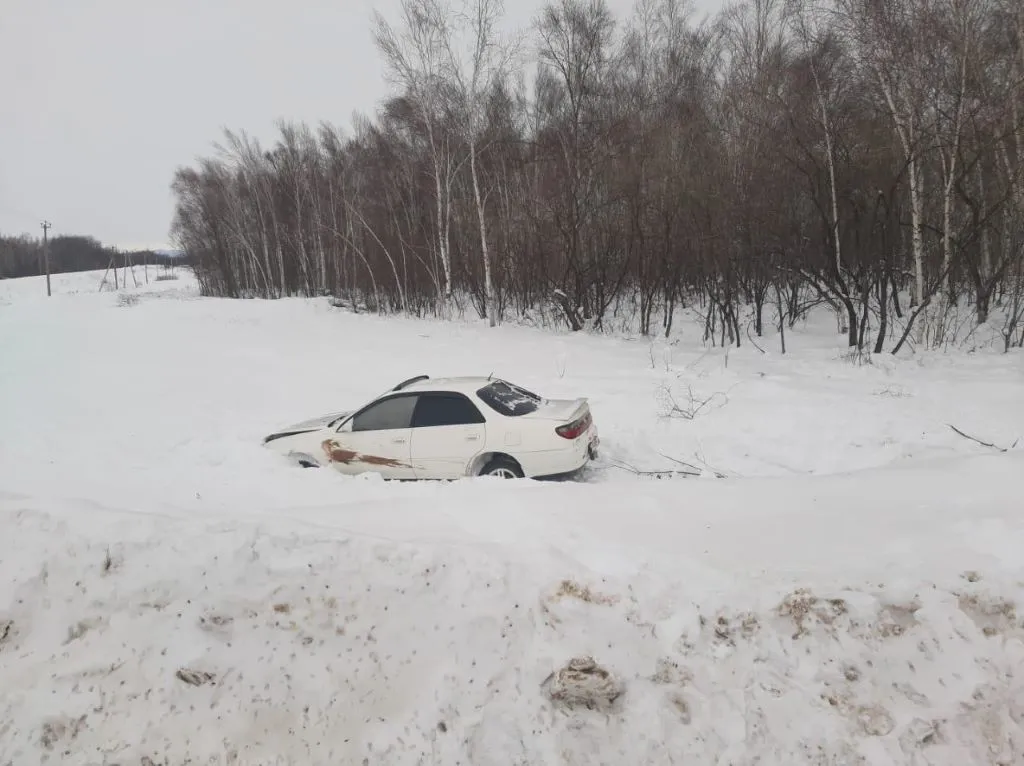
575 428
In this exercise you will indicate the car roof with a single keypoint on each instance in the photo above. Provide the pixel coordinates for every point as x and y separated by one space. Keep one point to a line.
466 384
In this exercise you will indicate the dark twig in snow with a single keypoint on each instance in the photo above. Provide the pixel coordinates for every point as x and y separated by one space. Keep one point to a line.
752 341
718 474
656 474
983 443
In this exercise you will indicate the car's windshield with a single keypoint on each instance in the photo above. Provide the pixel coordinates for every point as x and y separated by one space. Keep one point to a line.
508 399
345 416
339 420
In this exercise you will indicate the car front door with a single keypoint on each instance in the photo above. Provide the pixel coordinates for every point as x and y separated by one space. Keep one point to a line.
376 439
448 431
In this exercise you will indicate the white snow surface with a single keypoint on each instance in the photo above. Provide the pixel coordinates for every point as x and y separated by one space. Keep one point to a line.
173 593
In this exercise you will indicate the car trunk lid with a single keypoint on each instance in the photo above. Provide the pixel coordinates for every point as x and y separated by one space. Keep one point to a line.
565 410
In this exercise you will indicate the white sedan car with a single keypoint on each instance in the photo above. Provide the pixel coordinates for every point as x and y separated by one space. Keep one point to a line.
448 428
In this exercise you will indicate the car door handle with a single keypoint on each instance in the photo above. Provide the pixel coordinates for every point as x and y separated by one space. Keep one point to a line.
398 441
473 438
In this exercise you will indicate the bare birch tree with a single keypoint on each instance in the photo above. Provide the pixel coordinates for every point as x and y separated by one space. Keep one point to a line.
416 60
478 62
889 38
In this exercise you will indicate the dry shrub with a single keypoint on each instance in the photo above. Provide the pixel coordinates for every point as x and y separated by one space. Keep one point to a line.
572 589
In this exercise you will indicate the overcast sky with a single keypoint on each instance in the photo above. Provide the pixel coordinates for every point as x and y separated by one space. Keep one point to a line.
103 99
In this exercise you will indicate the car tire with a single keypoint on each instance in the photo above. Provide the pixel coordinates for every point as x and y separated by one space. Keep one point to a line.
503 468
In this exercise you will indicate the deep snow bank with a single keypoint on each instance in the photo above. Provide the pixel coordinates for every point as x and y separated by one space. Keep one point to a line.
170 594
423 633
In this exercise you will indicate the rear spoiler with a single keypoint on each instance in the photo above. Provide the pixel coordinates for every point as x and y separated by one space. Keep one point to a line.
567 412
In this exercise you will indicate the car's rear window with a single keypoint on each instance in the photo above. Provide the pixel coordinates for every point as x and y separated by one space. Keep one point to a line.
507 399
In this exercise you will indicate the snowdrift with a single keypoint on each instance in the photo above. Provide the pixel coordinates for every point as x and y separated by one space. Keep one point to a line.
849 630
170 594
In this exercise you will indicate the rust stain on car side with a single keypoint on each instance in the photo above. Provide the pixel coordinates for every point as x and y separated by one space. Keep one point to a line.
386 462
339 454
336 453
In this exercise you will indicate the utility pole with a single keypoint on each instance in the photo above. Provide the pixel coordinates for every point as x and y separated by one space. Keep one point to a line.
46 253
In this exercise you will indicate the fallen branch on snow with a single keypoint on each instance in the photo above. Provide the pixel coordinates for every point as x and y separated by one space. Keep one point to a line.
700 472
752 341
653 474
665 474
983 443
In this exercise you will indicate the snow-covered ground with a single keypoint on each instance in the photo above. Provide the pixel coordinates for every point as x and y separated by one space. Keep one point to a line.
849 593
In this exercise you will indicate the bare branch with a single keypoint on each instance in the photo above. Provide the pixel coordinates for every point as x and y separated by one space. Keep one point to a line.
979 441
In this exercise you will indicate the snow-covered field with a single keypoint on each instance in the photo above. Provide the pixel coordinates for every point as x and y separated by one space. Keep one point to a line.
172 593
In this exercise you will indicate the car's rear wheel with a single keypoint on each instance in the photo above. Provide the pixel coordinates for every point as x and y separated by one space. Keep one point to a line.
503 468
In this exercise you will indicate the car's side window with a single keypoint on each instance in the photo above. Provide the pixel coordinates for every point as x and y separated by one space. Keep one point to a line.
386 415
445 409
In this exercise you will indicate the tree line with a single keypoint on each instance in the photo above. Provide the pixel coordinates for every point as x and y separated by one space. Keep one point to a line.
864 154
23 256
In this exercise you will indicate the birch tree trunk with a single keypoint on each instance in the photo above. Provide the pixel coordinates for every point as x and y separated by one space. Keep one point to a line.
489 307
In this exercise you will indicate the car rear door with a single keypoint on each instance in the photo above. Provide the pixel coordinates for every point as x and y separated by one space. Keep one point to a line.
448 431
376 439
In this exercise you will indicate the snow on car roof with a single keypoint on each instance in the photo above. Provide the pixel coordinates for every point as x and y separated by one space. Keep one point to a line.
463 384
